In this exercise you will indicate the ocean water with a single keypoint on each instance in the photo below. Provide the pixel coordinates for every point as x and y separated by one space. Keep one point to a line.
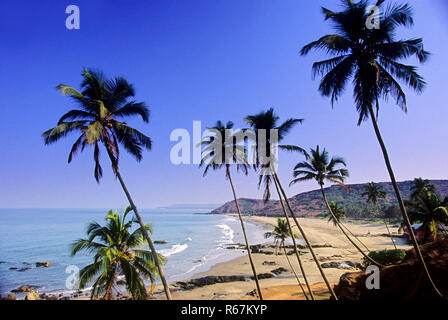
195 242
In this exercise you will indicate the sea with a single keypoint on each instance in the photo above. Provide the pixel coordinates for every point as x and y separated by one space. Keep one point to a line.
195 242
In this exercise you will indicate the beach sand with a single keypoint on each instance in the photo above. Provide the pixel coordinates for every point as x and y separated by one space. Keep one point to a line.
284 286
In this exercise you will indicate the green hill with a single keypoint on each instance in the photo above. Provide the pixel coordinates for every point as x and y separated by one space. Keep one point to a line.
311 204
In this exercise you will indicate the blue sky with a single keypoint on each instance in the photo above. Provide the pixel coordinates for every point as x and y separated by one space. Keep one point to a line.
197 60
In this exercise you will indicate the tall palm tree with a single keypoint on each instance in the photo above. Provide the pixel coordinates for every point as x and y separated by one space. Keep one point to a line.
419 186
214 157
372 58
319 167
102 103
429 209
338 213
117 252
373 194
280 234
263 124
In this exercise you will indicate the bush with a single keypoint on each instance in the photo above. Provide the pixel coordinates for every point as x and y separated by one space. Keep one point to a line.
384 257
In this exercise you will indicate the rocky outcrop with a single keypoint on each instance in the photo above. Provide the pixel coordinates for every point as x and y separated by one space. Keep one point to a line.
32 296
43 264
405 280
209 280
25 288
11 296
341 265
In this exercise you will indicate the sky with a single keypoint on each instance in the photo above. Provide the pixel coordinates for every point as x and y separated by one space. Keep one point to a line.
198 60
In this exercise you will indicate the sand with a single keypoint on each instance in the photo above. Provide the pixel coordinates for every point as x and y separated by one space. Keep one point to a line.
284 286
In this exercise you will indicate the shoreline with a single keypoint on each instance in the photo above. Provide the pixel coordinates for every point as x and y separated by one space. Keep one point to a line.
284 286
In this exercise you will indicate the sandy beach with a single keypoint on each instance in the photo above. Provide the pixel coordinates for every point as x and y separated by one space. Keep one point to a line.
284 286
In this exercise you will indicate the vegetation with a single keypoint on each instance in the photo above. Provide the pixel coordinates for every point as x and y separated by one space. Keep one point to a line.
338 213
117 252
102 104
385 257
372 59
214 157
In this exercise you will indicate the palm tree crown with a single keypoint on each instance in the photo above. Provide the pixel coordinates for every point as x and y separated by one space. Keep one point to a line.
268 120
101 104
117 252
280 232
338 213
371 57
420 186
319 167
374 193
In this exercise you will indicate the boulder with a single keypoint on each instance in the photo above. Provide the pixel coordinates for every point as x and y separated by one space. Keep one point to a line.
32 296
405 280
279 271
25 288
52 298
269 263
11 296
264 276
23 269
13 268
160 242
43 264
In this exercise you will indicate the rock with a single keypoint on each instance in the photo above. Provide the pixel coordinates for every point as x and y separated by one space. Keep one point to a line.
264 276
65 298
341 265
23 269
32 296
160 242
26 263
52 298
13 268
25 288
2 262
11 296
404 280
269 263
43 264
278 271
208 280
43 296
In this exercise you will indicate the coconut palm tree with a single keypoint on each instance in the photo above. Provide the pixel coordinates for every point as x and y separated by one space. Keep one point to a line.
265 124
338 213
319 167
430 210
101 105
371 58
373 194
420 186
215 157
117 252
280 234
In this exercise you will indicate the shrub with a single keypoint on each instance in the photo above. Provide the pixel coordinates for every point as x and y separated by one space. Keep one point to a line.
385 257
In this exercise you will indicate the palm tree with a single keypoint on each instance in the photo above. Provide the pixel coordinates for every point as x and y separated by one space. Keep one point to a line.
319 167
280 234
430 210
263 124
373 194
338 213
212 158
101 104
117 252
420 186
371 57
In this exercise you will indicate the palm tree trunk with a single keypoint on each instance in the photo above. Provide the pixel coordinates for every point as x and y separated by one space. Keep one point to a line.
295 245
342 229
245 236
400 199
146 235
354 236
295 274
333 295
390 234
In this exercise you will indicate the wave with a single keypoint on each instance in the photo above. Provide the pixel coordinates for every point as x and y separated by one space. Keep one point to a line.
228 234
176 248
188 239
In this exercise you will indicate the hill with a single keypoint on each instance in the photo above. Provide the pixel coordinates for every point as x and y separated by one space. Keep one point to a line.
310 204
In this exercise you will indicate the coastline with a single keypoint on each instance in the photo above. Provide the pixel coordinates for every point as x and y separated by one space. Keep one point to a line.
284 286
